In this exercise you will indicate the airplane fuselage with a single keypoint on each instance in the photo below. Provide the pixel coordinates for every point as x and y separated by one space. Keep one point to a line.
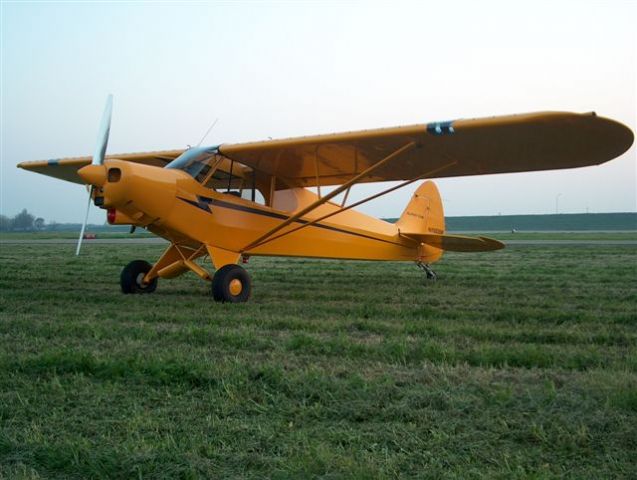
173 205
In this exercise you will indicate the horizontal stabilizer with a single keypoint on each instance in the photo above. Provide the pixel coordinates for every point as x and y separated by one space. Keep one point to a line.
459 243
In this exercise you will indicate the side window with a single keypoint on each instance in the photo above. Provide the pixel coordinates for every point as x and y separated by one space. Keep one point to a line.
246 194
201 176
240 184
218 181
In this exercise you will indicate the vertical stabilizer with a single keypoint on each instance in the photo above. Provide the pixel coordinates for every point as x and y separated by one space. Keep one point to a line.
423 214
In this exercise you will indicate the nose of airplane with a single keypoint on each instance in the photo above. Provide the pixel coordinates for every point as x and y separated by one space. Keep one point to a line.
93 174
134 187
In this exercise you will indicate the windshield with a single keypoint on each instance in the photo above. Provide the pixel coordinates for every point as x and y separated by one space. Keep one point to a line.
195 161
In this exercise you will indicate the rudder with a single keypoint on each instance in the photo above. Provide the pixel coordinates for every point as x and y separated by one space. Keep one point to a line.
424 213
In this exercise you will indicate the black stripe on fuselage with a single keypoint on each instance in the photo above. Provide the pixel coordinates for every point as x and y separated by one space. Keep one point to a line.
244 208
202 205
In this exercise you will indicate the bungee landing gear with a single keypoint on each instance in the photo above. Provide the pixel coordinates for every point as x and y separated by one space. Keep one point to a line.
230 283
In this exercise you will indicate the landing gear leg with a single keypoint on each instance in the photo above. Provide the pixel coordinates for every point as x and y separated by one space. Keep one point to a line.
429 273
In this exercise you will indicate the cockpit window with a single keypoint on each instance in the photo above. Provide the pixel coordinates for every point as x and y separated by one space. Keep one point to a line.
228 176
195 161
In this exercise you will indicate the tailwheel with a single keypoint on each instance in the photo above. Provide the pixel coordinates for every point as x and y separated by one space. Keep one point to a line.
429 273
131 279
231 283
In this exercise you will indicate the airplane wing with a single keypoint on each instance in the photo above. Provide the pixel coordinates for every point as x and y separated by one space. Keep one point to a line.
515 143
66 168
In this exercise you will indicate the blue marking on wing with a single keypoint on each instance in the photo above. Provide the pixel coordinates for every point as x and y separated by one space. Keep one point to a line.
441 128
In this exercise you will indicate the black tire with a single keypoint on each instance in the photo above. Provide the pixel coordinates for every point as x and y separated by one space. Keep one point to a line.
224 284
132 275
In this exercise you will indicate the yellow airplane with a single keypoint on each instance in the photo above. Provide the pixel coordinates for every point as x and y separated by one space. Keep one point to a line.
232 201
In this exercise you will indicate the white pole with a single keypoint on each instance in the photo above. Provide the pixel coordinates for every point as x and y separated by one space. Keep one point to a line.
557 200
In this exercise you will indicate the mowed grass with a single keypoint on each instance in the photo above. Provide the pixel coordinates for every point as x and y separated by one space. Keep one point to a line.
520 363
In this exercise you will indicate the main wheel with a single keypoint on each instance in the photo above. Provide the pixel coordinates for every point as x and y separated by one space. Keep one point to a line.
132 275
231 283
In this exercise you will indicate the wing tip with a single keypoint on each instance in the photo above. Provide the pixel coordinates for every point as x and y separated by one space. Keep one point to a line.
30 164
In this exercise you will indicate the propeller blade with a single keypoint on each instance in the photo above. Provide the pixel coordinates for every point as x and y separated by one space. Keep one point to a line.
98 159
102 135
88 207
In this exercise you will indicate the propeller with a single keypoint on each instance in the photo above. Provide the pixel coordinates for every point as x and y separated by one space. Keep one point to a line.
98 158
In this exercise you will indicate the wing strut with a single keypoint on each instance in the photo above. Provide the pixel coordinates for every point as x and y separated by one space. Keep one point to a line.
356 204
330 195
316 167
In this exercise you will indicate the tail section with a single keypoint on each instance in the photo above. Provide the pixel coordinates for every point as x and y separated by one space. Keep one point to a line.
423 220
423 214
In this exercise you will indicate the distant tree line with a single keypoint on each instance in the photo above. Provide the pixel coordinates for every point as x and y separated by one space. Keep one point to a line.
26 222
22 222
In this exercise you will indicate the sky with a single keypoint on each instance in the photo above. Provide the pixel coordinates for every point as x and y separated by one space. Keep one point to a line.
284 69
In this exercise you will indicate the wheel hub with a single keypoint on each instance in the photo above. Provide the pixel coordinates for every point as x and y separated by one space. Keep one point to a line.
235 287
140 279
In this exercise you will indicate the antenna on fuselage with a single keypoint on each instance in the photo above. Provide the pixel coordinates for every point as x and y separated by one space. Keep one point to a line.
208 131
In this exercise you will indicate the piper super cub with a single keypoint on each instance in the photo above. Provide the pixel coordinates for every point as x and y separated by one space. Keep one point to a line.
231 201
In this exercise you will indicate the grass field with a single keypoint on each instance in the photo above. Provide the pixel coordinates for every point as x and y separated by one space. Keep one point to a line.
520 363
